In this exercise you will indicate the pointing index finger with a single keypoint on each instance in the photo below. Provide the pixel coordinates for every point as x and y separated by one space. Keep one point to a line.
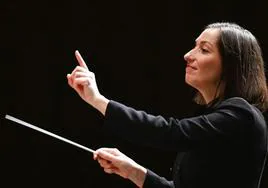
80 59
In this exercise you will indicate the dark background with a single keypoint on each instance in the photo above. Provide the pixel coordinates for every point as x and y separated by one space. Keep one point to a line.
136 50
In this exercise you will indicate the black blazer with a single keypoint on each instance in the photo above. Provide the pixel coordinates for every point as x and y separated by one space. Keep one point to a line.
225 147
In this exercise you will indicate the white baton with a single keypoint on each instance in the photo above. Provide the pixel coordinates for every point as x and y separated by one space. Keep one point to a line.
47 133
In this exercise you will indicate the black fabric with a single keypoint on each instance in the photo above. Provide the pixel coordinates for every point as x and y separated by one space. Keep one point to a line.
224 147
153 180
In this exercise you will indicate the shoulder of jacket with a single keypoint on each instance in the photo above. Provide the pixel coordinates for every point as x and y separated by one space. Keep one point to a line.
236 101
241 105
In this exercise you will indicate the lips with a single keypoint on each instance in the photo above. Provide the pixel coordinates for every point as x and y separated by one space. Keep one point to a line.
190 66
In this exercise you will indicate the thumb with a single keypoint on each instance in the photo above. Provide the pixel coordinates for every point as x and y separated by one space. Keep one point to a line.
70 81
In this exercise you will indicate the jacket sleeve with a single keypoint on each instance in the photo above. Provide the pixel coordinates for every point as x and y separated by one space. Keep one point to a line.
223 122
152 180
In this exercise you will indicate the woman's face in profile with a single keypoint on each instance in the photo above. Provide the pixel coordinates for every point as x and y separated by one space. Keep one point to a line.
204 68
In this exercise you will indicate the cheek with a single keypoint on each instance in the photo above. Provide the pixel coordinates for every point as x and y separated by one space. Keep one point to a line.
211 77
211 70
207 74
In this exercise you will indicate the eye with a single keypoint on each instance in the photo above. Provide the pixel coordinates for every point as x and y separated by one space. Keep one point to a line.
204 50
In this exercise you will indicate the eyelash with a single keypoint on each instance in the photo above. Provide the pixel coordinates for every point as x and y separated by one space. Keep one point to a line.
204 50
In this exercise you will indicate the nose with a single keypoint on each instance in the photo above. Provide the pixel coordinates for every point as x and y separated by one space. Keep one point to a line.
188 56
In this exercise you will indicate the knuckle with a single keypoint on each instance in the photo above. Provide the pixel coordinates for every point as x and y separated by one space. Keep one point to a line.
116 150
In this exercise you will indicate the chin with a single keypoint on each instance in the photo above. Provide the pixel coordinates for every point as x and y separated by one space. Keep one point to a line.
190 81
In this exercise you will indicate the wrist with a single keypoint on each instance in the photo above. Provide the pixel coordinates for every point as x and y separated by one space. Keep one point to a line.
100 103
138 175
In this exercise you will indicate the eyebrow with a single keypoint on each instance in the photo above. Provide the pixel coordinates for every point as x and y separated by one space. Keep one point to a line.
204 42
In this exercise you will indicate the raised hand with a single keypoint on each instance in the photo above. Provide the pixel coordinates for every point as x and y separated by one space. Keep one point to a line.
84 83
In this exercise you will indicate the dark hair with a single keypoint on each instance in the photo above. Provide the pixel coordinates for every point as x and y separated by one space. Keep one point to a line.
242 63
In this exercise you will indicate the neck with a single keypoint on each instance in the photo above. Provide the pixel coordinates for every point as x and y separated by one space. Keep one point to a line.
211 93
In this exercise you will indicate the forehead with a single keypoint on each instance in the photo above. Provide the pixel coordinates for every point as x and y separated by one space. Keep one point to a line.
209 35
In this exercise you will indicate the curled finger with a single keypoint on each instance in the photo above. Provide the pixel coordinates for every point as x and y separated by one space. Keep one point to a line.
83 81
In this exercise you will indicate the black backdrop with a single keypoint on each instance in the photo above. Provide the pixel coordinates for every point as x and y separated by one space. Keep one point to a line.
136 50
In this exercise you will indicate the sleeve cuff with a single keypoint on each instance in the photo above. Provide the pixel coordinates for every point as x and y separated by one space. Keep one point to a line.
152 180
